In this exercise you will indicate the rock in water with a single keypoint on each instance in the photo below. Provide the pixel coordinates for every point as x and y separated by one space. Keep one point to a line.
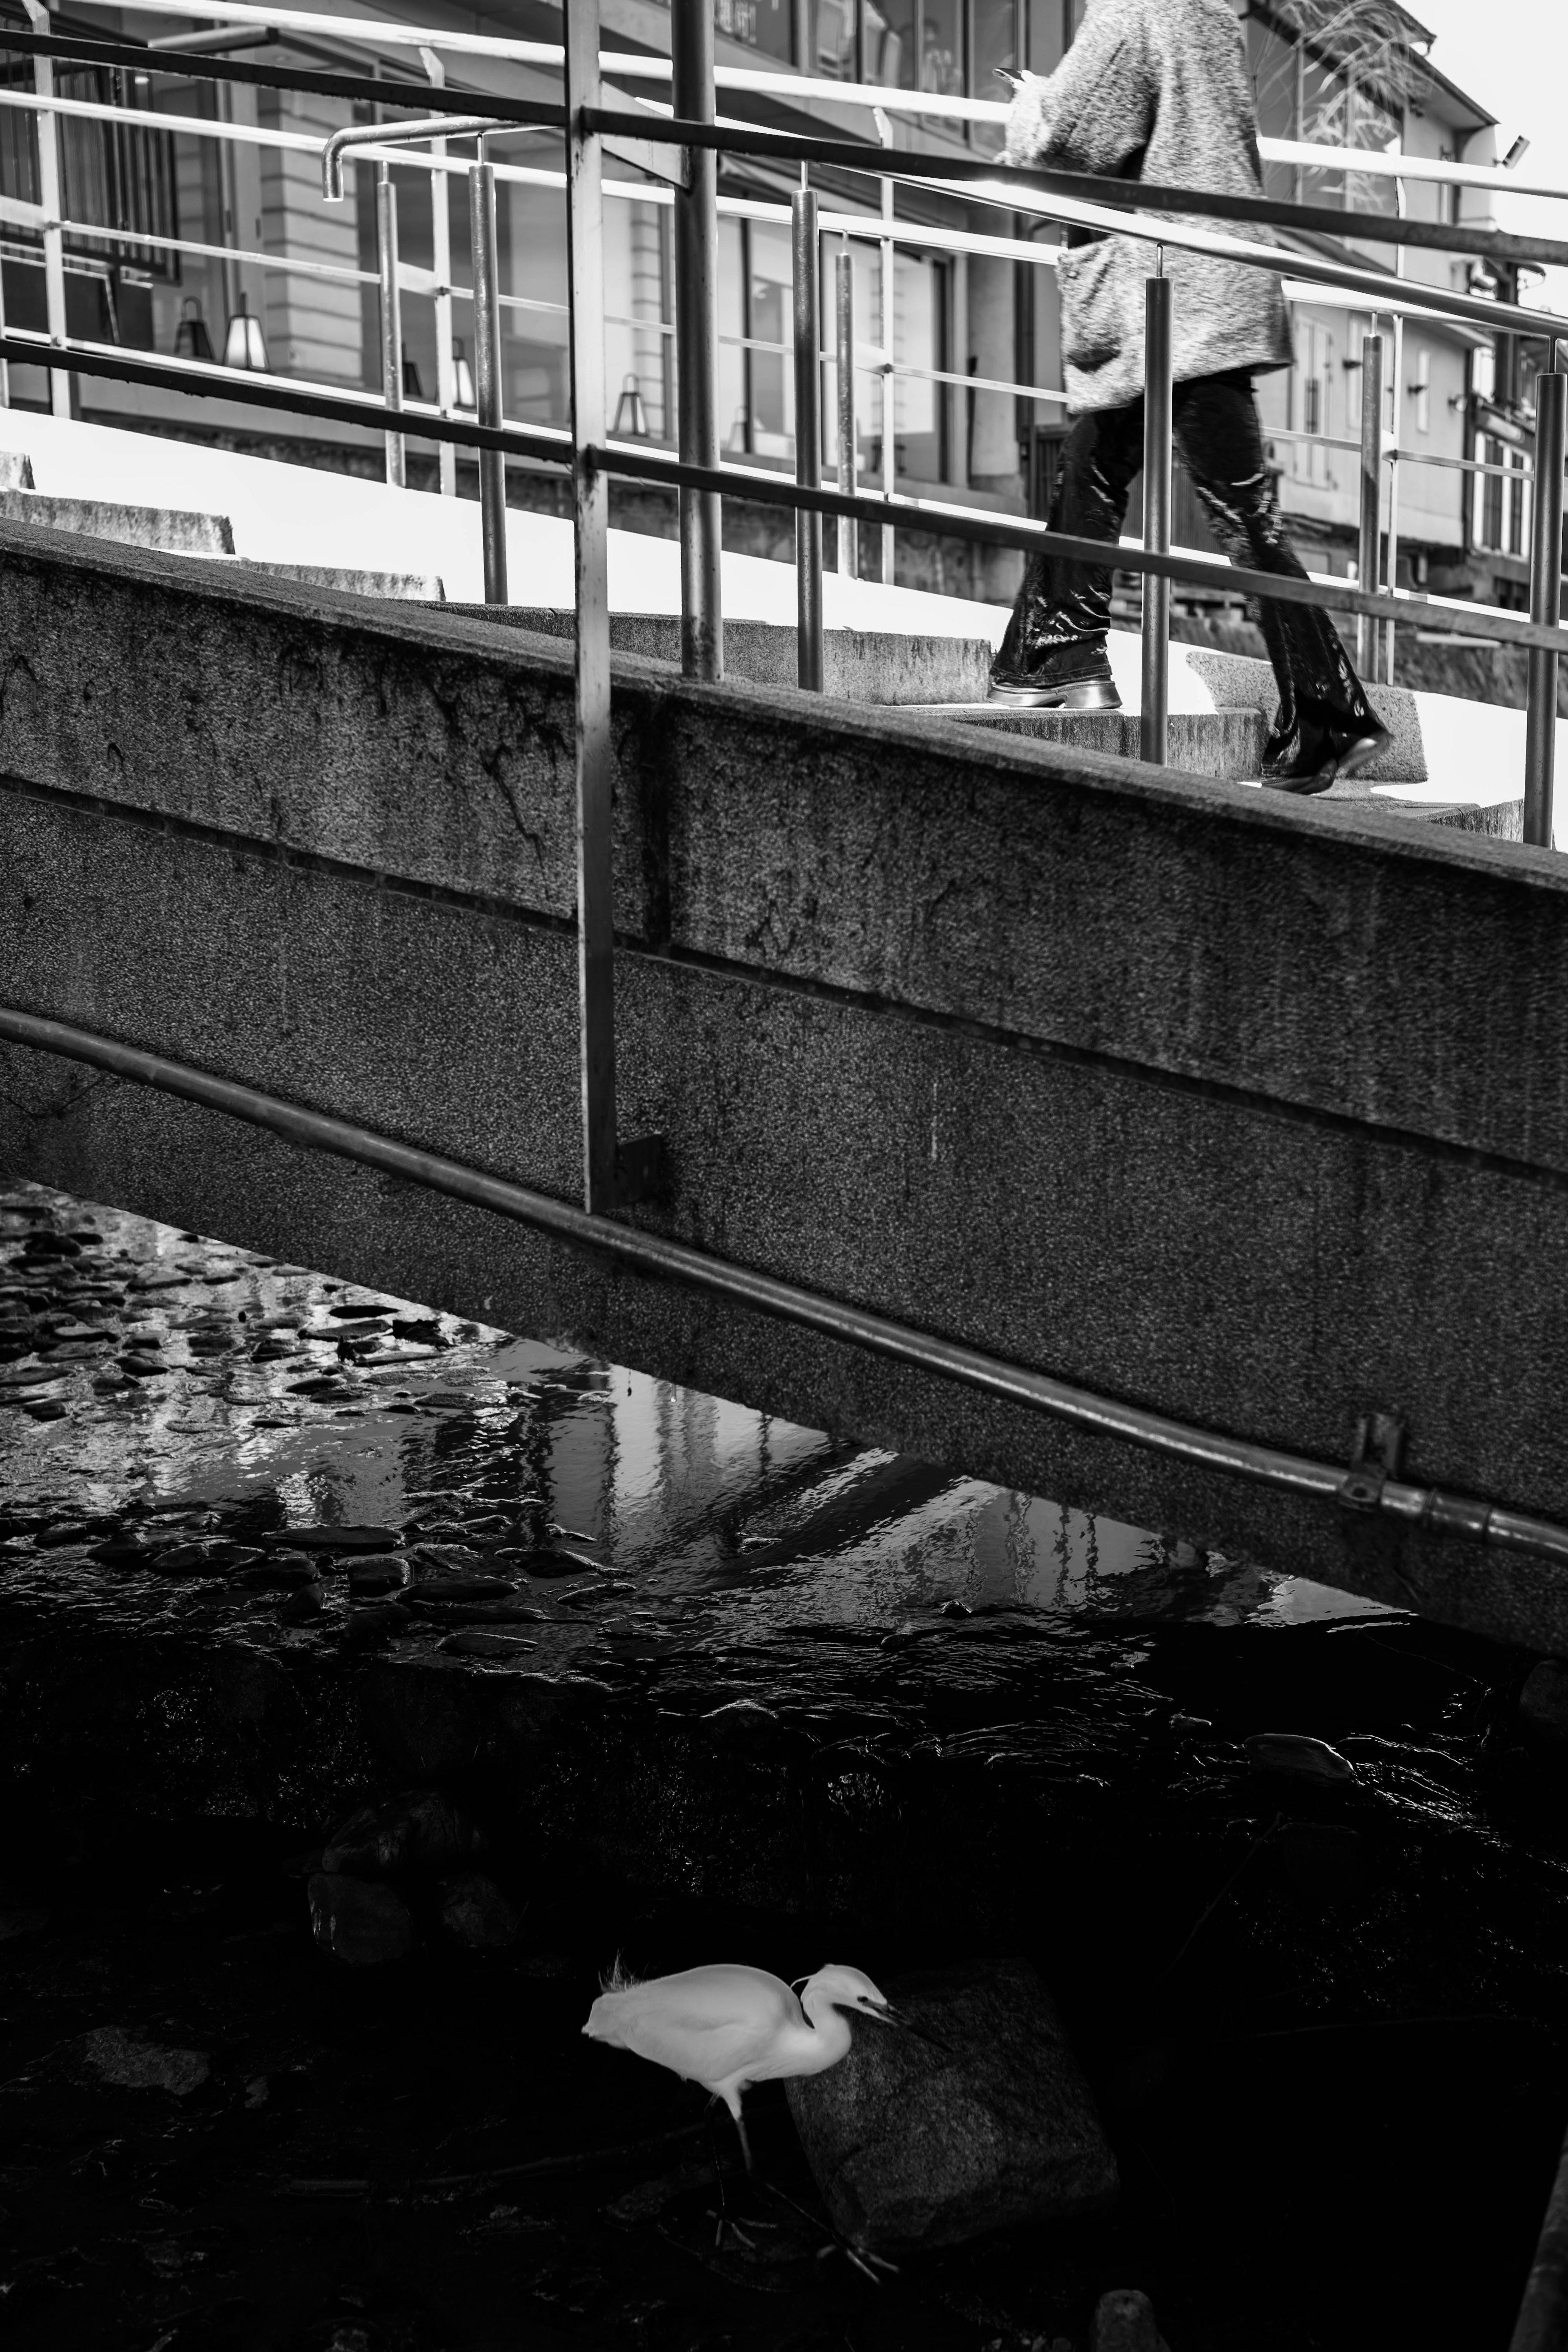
920 2142
358 1921
1124 2322
112 2055
1544 1701
474 1909
416 1832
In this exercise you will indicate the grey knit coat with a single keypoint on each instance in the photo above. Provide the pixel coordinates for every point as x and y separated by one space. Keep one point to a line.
1156 91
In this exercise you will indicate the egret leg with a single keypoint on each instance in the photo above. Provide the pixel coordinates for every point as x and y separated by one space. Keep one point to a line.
726 2221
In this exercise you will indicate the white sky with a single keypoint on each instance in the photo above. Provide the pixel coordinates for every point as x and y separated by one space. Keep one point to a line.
1512 55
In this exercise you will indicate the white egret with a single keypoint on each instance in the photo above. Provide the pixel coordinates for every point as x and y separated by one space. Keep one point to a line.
727 2028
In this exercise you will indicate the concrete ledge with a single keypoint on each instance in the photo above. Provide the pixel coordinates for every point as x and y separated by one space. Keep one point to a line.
412 587
164 527
1220 743
876 665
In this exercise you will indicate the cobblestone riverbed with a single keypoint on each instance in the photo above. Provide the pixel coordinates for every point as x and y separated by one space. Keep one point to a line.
676 1682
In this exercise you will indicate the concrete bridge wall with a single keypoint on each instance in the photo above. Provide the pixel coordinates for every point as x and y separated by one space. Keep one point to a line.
1253 1111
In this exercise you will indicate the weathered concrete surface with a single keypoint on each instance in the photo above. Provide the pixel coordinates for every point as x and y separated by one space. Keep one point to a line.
1252 1111
412 587
1219 743
175 530
857 664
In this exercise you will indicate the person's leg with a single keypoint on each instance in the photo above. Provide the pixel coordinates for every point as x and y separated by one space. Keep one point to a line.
1326 727
1054 650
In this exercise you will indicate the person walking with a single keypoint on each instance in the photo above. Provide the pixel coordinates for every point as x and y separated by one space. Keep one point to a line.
1158 90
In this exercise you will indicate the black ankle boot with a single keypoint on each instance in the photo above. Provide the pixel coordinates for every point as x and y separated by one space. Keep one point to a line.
1075 681
1318 752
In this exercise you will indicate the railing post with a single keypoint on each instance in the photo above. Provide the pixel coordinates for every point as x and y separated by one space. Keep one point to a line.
591 518
486 372
1155 732
807 436
441 266
696 344
1545 603
848 529
391 316
50 198
1369 561
888 390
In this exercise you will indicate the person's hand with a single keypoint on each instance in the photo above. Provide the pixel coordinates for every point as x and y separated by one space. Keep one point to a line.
1028 124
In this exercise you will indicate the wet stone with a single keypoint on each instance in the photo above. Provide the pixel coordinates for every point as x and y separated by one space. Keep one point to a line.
370 1628
302 1607
359 1923
438 1590
210 1556
384 1575
475 1643
1293 1755
47 1410
1124 2322
357 1538
1544 1702
987 2124
475 1910
111 2055
419 1831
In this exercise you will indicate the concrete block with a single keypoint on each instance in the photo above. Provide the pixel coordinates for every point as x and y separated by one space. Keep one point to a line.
1221 743
859 665
1236 679
15 470
166 529
412 587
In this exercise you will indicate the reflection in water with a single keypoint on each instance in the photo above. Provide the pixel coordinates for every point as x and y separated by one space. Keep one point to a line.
155 1372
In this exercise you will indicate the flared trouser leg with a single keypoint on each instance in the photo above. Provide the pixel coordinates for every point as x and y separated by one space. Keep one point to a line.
1221 442
1057 634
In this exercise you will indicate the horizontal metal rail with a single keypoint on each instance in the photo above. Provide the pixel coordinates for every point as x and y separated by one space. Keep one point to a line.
1493 1526
552 446
806 89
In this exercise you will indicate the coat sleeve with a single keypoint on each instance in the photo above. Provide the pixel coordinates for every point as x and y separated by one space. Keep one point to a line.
1096 112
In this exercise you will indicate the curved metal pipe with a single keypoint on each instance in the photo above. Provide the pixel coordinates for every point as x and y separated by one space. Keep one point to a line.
654 1254
394 134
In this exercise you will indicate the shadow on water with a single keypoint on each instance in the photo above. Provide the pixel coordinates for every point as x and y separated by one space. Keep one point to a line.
707 1684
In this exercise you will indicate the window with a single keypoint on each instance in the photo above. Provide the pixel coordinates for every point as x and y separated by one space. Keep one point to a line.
1317 364
766 25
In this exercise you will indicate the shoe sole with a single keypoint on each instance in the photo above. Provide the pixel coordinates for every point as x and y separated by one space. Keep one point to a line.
1094 694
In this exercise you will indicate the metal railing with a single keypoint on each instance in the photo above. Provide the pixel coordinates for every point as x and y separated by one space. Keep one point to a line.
394 275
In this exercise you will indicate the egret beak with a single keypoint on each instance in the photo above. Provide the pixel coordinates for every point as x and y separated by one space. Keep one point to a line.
886 2014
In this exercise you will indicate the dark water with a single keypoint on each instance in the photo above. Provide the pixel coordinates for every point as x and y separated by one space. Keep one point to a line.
1324 2024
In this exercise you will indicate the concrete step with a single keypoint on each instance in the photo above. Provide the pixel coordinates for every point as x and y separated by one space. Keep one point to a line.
166 528
1223 743
859 665
411 587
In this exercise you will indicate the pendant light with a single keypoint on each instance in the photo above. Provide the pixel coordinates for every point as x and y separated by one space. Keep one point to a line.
243 345
191 341
631 415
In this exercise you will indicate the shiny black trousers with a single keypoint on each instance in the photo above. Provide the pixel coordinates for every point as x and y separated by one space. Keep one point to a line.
1057 630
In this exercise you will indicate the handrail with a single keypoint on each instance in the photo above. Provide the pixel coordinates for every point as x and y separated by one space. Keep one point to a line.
374 33
1516 1534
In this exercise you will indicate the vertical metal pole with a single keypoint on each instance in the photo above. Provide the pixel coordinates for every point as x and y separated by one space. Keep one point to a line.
391 316
1545 603
49 197
696 344
807 436
890 417
1157 403
848 529
441 267
1391 552
1369 559
486 372
590 515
